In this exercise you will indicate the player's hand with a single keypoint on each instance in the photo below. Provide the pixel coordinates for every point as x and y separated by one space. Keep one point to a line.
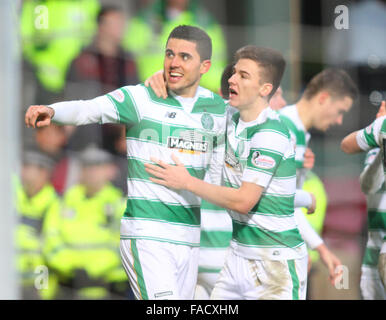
312 208
172 176
38 116
158 84
309 159
331 262
382 110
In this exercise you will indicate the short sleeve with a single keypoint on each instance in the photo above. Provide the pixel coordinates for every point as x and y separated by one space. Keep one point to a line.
125 105
267 150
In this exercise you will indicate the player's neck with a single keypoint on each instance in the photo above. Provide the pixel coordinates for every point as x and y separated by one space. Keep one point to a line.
252 112
304 108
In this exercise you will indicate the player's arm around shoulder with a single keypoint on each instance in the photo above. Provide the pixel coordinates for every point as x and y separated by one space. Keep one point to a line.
177 177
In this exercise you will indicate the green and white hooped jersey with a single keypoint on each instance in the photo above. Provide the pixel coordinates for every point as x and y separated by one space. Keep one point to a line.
290 116
376 219
193 129
216 234
374 136
261 152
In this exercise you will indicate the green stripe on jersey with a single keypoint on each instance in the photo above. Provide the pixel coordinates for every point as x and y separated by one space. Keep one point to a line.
208 270
275 205
157 210
376 220
370 139
127 109
273 125
257 237
136 170
299 134
206 205
371 257
215 239
170 101
204 105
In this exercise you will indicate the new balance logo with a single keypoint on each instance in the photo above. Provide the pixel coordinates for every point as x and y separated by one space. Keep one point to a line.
171 115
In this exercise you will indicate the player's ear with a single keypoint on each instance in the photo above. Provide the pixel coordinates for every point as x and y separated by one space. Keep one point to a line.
323 97
205 66
266 89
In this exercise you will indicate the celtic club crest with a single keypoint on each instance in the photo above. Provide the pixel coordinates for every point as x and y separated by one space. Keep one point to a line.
207 121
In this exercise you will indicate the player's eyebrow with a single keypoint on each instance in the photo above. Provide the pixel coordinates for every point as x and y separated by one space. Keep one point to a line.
181 54
244 73
169 51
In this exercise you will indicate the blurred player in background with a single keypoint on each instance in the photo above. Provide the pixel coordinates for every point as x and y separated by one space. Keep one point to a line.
372 180
326 98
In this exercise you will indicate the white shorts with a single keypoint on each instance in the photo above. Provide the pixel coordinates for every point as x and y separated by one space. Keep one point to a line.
205 285
245 279
160 270
371 284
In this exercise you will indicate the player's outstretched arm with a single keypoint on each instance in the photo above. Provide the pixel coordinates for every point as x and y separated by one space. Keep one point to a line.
350 145
177 177
38 116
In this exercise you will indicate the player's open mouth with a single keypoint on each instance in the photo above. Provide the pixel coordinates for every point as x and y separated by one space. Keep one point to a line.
175 76
232 92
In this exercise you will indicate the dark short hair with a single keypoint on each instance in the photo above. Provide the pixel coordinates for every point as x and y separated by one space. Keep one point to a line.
227 73
336 81
105 10
269 60
197 35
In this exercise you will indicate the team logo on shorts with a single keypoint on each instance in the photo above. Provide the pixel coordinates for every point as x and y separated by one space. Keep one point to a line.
262 161
207 121
118 95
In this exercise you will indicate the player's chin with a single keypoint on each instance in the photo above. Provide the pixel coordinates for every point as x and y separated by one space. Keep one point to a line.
234 102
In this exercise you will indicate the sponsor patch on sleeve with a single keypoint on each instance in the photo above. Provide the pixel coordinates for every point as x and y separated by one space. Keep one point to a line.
118 95
369 129
262 161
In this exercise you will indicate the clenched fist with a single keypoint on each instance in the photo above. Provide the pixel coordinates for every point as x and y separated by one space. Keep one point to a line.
38 116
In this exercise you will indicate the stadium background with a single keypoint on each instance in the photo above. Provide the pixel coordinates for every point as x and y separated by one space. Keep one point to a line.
303 32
